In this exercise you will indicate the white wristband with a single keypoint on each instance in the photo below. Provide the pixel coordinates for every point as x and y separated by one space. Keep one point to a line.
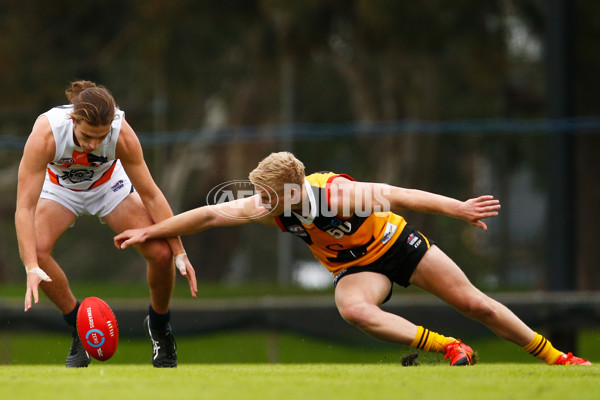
179 263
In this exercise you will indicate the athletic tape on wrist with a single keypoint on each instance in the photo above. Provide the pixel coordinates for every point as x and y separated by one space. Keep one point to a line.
179 263
34 268
30 266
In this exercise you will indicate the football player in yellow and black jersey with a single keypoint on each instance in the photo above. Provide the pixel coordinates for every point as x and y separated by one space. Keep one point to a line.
355 231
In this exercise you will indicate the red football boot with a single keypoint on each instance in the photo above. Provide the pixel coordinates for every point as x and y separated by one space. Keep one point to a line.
570 359
459 354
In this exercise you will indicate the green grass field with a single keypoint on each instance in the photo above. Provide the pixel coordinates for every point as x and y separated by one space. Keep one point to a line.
284 366
259 365
237 347
300 381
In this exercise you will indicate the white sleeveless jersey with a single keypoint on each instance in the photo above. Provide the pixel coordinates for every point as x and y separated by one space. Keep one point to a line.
73 168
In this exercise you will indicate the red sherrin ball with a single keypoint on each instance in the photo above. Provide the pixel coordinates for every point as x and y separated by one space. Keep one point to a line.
97 328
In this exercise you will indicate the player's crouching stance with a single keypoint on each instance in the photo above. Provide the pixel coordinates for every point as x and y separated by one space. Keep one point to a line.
84 158
354 230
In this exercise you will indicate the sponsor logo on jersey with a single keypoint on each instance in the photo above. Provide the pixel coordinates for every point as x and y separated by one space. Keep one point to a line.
413 240
118 186
390 229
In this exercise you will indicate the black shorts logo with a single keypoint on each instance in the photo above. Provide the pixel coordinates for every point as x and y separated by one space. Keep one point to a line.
413 240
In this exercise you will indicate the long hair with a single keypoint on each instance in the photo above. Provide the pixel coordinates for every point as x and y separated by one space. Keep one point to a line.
92 103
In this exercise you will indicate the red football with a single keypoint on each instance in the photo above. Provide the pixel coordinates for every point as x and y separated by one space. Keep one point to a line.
97 328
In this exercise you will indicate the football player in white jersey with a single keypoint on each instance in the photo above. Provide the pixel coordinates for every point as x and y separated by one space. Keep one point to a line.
84 158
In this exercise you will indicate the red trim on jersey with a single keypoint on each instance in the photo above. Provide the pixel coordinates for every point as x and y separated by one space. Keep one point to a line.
53 177
105 176
103 179
280 224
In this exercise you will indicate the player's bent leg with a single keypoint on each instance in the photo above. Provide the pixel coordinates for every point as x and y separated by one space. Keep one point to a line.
131 213
160 273
358 296
439 275
52 220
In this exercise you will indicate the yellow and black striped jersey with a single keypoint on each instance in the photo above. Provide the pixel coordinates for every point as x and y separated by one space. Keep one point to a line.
337 242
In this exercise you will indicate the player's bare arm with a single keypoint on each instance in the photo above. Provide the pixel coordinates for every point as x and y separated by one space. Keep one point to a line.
473 210
39 151
129 151
349 195
232 213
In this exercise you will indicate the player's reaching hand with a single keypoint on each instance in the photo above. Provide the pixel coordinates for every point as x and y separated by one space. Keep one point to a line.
185 268
35 275
134 236
130 237
474 210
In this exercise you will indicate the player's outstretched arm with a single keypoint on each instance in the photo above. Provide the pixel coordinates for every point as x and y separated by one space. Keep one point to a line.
473 210
350 197
236 212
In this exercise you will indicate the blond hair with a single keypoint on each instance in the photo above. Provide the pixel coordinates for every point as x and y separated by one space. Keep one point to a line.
92 103
277 169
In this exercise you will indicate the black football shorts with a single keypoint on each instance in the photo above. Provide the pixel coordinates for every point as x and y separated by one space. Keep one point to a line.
399 262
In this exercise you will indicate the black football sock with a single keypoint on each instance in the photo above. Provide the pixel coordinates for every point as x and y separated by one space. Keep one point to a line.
71 318
158 321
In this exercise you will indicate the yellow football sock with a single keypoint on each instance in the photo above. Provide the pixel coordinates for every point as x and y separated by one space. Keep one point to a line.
541 348
427 340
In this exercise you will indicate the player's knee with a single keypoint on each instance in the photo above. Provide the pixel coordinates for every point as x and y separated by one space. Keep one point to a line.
480 308
43 253
357 314
158 254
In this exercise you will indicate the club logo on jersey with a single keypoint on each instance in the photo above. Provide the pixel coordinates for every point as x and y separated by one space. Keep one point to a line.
78 175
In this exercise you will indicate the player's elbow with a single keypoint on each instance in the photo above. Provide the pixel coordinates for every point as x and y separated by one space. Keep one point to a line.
400 199
205 218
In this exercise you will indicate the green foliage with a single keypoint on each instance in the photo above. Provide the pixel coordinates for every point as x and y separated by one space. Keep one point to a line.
208 67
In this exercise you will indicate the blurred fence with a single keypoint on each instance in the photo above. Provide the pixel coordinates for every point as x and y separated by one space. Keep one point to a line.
317 316
461 159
